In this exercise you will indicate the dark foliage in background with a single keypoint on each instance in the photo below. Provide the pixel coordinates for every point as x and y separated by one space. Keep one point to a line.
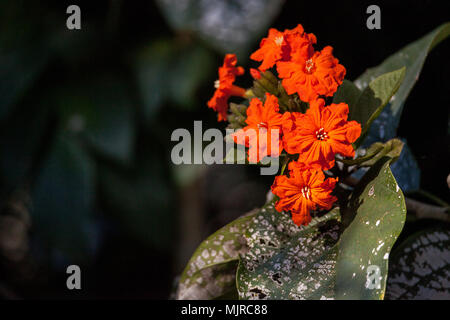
86 118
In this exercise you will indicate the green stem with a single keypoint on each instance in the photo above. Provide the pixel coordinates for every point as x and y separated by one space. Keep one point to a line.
285 162
433 198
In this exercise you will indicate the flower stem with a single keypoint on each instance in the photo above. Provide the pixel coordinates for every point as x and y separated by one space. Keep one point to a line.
285 162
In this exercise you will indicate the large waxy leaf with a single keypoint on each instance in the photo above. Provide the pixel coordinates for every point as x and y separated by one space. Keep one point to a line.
375 217
211 272
412 57
283 261
348 93
420 267
288 262
366 105
384 127
374 98
405 171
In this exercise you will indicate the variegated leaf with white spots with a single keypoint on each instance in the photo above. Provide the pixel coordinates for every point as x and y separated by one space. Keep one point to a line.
211 271
373 220
420 267
288 262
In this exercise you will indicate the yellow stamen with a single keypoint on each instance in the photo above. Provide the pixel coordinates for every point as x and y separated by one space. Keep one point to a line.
309 65
262 125
306 192
279 41
321 134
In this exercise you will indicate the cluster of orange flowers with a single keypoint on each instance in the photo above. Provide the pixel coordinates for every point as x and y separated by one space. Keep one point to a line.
316 136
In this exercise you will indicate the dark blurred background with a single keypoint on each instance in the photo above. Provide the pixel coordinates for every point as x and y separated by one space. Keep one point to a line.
86 118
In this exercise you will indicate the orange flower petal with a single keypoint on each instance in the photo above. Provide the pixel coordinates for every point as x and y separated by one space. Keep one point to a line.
224 86
321 133
311 74
305 189
266 124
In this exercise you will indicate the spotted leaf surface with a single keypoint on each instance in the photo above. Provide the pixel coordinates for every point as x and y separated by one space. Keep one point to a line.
288 262
420 267
210 273
374 219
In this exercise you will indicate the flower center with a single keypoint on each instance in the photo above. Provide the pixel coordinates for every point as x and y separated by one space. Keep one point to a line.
309 65
321 134
279 41
217 84
262 125
306 192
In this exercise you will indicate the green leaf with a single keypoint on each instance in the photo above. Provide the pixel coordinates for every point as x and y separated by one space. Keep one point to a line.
139 197
283 261
101 112
210 273
190 68
63 198
392 149
169 71
18 71
374 98
151 71
21 137
420 266
25 50
375 217
348 93
288 262
365 106
412 57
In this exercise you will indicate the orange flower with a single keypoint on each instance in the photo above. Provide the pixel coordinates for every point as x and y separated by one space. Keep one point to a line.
300 42
224 86
303 191
278 46
311 74
272 49
321 133
258 134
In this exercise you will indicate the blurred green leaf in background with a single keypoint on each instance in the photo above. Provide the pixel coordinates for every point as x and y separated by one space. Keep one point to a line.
85 123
